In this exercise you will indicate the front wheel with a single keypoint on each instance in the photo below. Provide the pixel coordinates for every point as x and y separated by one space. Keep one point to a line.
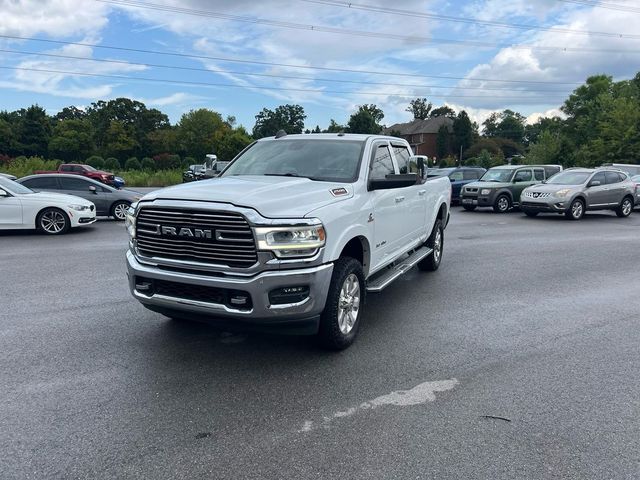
502 205
340 320
53 221
436 243
576 210
119 210
625 208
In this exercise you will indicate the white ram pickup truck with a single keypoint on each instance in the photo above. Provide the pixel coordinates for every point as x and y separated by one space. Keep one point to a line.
291 236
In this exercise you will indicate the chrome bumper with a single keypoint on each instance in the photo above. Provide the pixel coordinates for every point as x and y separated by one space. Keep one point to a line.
258 287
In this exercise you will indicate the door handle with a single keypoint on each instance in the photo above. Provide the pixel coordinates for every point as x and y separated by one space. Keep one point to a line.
399 199
422 192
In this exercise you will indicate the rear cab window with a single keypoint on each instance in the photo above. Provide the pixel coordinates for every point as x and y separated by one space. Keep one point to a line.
402 155
538 174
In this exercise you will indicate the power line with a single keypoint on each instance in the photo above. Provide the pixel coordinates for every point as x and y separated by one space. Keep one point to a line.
257 87
269 75
284 65
342 31
473 21
610 6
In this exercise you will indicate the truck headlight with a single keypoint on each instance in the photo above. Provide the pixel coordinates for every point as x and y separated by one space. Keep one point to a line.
130 222
562 193
485 191
79 208
291 242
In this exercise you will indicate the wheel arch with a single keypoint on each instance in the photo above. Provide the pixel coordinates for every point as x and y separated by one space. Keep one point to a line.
358 247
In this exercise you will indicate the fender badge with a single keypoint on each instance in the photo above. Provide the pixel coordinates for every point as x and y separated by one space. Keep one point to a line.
338 192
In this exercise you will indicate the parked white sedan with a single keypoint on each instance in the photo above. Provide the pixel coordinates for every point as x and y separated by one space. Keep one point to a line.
51 213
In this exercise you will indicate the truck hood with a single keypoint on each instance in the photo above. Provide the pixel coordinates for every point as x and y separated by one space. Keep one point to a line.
272 197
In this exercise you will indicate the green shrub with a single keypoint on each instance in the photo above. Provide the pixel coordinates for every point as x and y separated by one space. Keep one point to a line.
96 161
23 166
111 164
148 164
166 161
161 178
186 161
132 164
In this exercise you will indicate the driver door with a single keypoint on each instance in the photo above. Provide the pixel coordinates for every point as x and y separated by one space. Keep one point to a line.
521 180
10 211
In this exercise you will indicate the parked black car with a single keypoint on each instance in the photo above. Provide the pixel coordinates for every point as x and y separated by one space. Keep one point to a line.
459 177
194 172
109 201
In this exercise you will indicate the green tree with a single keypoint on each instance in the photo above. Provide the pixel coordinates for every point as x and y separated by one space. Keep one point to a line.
132 164
442 142
34 131
545 150
72 140
419 108
230 143
8 139
162 140
334 127
196 132
443 111
366 120
70 113
464 132
95 161
507 124
119 141
483 143
148 164
486 159
111 164
289 118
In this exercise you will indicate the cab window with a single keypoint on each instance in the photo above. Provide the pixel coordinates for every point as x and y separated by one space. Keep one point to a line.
470 175
457 176
612 177
522 176
75 184
402 155
538 174
598 177
381 163
42 183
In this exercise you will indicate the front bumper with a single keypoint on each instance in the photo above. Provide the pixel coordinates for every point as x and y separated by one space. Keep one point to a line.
550 204
477 200
297 317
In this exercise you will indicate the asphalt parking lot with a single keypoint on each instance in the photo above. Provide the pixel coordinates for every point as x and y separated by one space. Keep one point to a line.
519 358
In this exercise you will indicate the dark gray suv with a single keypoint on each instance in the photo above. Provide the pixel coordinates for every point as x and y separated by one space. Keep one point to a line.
576 190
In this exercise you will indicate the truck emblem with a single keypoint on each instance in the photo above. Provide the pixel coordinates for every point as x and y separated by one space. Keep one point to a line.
183 232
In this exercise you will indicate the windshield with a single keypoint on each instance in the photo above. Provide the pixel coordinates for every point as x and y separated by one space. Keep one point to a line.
439 172
14 187
636 178
89 168
322 160
497 175
569 178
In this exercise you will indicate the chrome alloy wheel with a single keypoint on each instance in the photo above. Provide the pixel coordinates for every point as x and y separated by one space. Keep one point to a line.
576 209
503 204
53 221
437 246
349 304
120 211
627 206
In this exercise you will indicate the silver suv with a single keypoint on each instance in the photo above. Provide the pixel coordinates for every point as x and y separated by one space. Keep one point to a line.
577 190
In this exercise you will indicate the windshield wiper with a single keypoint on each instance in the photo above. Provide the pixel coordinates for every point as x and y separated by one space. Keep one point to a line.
288 174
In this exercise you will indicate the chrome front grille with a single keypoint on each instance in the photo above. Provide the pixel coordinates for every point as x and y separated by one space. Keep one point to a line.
220 238
537 194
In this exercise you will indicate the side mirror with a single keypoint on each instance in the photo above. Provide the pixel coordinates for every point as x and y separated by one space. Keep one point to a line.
92 188
3 193
594 183
421 161
394 181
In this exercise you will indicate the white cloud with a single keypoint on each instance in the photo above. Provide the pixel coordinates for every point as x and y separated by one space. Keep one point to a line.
552 112
58 18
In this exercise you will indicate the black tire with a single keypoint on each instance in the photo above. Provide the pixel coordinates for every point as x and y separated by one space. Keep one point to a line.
53 221
469 208
118 210
530 213
576 210
502 204
334 333
435 242
625 208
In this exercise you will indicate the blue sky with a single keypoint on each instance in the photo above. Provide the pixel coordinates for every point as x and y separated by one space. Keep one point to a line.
250 62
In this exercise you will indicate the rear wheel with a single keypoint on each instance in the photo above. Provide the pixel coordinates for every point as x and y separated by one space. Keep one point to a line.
53 221
340 320
625 208
503 204
119 210
576 210
469 208
436 243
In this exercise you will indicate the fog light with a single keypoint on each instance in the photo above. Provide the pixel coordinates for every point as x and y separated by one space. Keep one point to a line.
284 295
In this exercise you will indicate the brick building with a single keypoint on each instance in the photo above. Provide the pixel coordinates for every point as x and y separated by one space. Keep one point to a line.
421 134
